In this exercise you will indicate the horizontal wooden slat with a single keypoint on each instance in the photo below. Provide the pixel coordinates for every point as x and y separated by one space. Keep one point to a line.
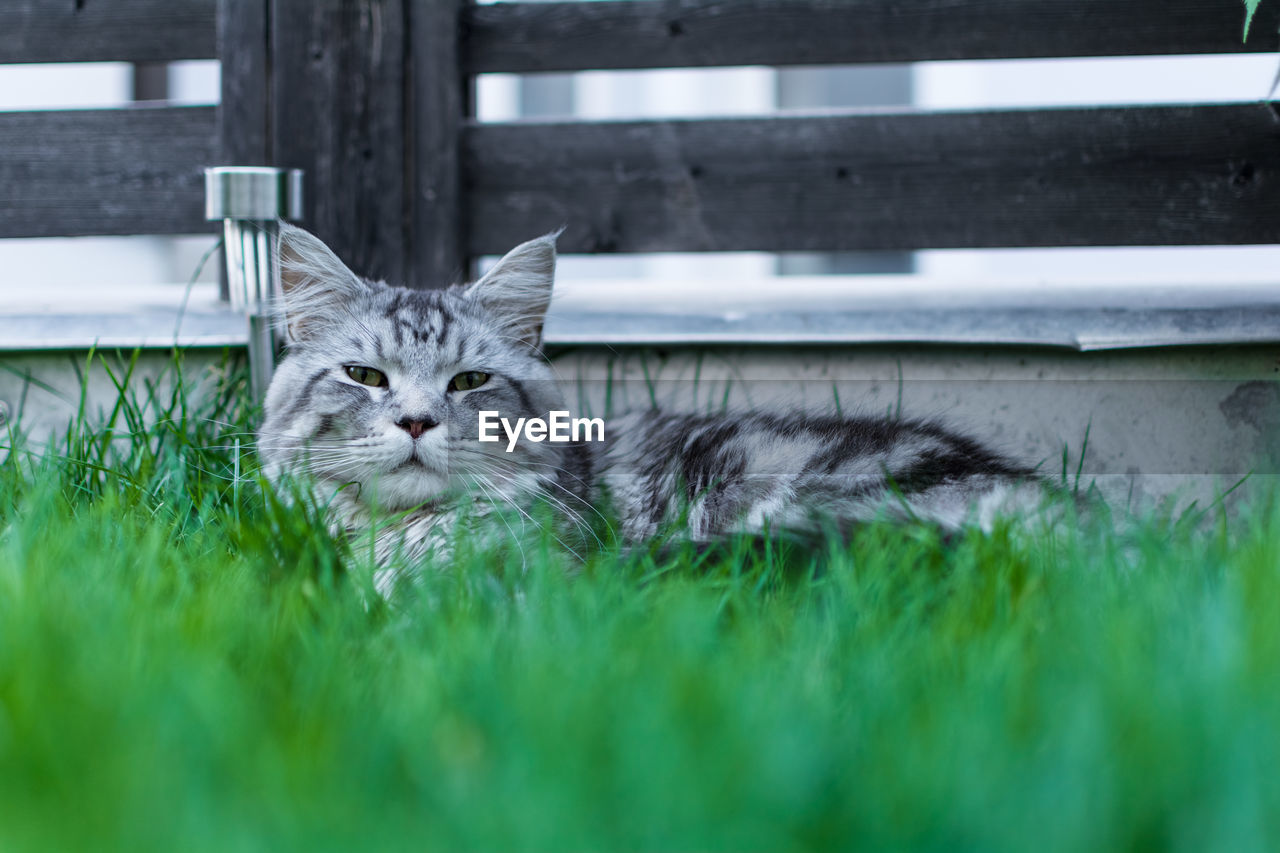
570 36
107 30
1116 176
126 171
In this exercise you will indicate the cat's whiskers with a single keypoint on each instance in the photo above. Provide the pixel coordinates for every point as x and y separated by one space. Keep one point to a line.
540 466
514 504
541 483
538 486
524 559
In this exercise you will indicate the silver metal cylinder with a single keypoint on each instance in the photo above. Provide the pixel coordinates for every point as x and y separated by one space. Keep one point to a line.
251 201
252 192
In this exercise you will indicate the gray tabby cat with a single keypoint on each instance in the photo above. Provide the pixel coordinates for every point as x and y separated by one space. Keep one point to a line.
377 401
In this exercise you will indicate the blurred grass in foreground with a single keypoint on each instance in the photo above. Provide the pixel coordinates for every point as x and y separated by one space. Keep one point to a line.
187 665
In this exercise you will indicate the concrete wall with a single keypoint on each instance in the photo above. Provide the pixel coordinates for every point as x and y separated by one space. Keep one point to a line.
1163 425
40 392
1172 425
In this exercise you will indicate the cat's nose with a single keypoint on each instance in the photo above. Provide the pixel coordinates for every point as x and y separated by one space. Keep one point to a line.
416 426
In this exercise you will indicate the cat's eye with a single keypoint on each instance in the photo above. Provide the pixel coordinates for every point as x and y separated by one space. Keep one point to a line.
366 375
468 381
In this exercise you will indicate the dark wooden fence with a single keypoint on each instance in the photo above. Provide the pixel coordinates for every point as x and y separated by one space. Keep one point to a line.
135 170
373 99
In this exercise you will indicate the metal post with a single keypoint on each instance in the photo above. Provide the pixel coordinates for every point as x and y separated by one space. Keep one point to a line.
251 201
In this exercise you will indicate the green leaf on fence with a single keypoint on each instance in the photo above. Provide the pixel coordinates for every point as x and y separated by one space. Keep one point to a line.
1250 7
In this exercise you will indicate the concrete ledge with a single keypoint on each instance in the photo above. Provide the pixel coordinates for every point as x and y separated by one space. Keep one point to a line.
1081 329
156 316
1076 315
785 311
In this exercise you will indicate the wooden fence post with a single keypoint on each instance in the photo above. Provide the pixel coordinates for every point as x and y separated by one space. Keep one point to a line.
243 112
244 103
439 103
367 98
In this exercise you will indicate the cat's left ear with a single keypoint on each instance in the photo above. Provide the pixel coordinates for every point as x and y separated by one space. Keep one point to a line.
517 290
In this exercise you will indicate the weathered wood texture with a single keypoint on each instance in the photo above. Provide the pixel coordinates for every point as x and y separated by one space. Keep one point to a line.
106 30
337 111
244 111
567 36
366 97
369 97
1128 176
244 106
437 103
127 171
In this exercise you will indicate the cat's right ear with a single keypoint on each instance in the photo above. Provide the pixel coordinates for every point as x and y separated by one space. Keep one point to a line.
317 286
517 289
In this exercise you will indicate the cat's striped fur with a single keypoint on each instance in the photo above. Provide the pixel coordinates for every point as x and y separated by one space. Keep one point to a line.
408 447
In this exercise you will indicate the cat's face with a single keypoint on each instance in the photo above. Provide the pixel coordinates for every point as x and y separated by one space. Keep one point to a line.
380 389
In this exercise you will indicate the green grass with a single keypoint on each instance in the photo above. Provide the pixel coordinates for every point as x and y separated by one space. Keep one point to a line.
185 664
